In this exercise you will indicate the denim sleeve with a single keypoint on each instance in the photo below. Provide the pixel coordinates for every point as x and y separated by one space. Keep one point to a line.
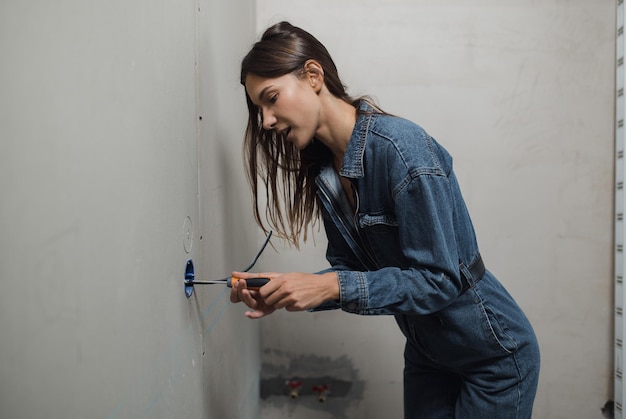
328 305
429 280
338 259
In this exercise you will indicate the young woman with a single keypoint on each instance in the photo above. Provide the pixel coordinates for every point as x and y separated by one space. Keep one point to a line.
400 239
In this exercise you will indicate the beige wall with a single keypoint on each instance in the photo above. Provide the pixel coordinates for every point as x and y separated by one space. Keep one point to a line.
521 93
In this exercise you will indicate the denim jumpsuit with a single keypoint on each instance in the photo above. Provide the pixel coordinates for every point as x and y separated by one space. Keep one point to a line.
408 249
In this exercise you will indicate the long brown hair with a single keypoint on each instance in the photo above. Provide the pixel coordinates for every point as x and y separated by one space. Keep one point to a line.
287 173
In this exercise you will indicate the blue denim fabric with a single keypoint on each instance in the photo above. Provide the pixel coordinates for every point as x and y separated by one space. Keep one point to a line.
477 358
401 251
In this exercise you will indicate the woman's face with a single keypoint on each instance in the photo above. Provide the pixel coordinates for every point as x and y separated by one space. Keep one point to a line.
289 105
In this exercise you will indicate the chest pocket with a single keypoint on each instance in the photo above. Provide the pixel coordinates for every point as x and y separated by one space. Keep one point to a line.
378 223
380 234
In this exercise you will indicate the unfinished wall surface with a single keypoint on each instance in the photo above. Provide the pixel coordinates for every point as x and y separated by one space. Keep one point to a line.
521 93
108 112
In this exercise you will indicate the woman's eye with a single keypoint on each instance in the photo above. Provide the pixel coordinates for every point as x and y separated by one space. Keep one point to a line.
272 99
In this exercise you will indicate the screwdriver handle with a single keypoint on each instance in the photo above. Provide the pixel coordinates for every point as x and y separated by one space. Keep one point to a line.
252 283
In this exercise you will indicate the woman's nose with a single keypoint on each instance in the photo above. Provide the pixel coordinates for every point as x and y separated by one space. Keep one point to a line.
269 120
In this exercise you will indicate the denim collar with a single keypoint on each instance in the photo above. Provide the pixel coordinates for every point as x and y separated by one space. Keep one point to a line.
352 166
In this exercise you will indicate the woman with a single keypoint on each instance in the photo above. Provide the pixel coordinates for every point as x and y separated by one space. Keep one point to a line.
400 239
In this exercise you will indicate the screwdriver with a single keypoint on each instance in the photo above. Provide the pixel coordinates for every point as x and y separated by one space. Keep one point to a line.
252 283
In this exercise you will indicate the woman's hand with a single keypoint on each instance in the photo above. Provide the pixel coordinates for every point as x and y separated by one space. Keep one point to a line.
292 291
251 298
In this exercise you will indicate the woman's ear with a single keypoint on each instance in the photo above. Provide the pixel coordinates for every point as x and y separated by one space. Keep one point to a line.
314 73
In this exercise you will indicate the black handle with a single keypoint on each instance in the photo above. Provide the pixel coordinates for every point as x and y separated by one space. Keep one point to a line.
251 283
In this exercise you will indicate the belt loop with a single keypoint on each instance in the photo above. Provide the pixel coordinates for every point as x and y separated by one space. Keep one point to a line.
472 274
466 278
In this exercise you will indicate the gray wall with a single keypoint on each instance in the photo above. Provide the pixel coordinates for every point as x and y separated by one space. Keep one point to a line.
521 93
101 145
